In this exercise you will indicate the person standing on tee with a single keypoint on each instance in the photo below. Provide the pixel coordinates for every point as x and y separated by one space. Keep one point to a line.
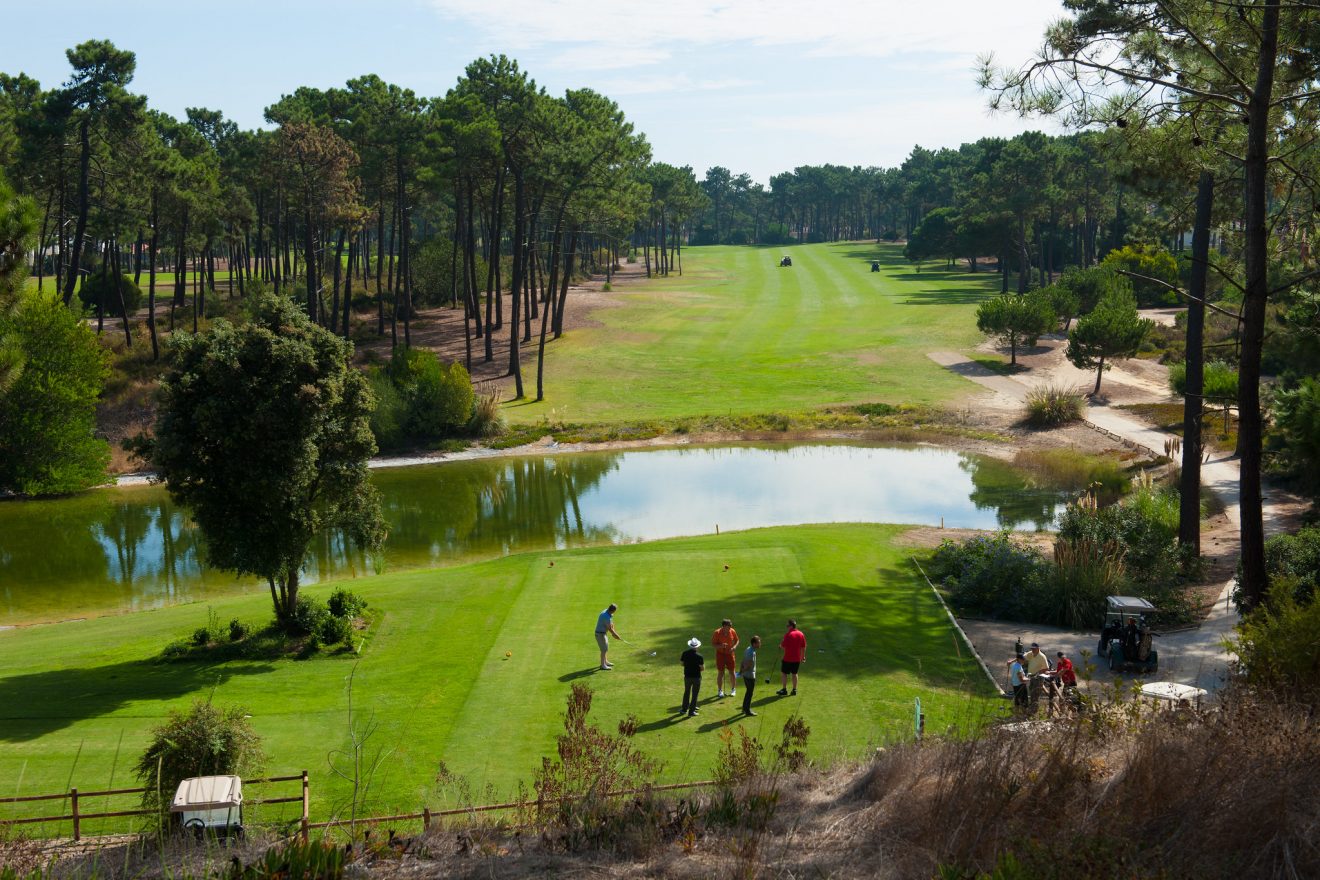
604 628
725 641
794 646
693 663
749 674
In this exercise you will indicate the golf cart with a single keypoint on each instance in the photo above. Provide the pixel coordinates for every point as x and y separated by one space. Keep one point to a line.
786 260
875 265
1126 638
210 804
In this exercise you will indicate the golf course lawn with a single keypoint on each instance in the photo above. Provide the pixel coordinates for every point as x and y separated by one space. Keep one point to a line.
78 699
738 334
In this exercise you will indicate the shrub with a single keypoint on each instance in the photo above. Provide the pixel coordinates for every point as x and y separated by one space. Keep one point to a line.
1293 564
238 630
96 288
209 634
1297 418
345 603
310 615
1278 646
335 630
486 419
1090 285
388 416
438 399
1220 380
1084 574
988 574
1049 406
204 740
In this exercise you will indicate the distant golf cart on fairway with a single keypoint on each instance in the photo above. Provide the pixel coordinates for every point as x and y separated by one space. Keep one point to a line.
786 260
875 265
1126 638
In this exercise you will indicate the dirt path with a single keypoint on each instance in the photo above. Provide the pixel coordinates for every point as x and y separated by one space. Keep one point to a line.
1195 656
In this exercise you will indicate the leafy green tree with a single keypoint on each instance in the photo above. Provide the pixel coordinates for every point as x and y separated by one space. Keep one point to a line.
1113 330
1016 319
1091 284
263 434
204 740
1064 301
935 236
1297 416
1153 271
56 371
18 233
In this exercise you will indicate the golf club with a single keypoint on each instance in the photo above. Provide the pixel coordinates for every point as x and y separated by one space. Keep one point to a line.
631 645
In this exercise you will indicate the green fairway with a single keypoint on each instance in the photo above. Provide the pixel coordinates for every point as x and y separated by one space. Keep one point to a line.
738 334
77 699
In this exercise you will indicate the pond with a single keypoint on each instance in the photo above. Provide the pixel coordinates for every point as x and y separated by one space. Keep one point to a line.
126 549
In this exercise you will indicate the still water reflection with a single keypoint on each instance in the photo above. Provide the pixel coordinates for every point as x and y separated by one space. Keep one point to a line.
131 548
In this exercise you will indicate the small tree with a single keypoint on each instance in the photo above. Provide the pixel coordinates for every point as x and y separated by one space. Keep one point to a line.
263 434
1154 270
204 740
1016 319
52 371
1112 330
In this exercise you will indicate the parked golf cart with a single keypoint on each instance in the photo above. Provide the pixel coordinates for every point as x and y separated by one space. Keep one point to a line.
875 265
786 261
1126 638
210 805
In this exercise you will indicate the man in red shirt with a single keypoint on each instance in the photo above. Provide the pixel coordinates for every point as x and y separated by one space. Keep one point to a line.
794 646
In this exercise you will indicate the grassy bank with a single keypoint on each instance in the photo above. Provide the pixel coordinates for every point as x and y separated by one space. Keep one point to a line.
78 699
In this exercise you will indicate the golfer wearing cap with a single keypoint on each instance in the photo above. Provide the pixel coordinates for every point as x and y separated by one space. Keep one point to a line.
604 628
1036 662
693 663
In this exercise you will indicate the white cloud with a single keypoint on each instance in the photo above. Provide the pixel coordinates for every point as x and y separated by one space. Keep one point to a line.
850 28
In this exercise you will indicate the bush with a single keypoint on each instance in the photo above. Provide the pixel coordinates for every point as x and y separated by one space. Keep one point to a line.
486 420
1091 285
238 630
1220 380
438 399
1293 564
391 409
1279 646
1049 406
1084 574
345 603
204 740
96 288
310 615
335 631
209 634
989 574
1297 438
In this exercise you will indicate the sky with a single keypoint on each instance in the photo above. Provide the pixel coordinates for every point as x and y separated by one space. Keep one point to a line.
758 86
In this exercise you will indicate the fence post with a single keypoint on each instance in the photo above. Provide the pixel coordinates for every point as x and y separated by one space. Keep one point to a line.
77 823
426 818
306 808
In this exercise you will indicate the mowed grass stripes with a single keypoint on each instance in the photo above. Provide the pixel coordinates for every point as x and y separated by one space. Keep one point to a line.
738 334
78 700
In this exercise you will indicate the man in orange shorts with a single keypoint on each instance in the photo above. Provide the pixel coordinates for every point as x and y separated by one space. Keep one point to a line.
725 641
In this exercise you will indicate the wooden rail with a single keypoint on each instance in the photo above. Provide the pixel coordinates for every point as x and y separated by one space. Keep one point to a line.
77 815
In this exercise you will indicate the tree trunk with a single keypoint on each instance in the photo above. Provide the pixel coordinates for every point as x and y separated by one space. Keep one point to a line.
1189 507
1254 578
334 297
311 265
151 276
516 282
84 203
119 295
353 254
1099 372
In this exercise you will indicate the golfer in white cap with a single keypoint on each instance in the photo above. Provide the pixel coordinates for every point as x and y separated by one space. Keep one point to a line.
693 663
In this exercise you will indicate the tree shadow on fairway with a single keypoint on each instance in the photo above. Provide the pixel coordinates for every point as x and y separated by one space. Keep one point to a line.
892 626
39 703
970 295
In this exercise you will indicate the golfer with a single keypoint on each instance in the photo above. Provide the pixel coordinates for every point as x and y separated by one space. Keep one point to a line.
794 646
749 674
725 641
1017 677
605 628
693 663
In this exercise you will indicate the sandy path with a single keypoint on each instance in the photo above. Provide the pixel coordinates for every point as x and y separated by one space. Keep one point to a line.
1195 656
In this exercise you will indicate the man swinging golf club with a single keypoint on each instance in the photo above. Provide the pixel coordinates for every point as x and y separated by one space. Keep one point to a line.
604 629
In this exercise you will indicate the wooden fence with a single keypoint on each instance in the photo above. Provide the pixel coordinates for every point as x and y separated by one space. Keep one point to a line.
77 813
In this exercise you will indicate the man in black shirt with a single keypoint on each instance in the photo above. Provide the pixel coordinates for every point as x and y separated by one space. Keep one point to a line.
693 663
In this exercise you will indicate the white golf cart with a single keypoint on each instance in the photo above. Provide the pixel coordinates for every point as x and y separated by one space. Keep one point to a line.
210 805
1126 638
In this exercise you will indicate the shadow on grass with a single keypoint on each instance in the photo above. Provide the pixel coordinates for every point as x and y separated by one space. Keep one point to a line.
892 626
39 703
581 673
